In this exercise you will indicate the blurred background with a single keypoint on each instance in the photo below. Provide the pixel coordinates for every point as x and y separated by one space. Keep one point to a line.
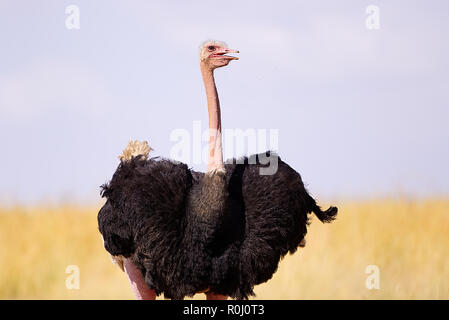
358 91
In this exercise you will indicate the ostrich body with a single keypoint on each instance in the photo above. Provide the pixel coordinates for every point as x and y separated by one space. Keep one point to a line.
179 232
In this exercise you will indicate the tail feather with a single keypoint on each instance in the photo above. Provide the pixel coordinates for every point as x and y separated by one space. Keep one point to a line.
326 216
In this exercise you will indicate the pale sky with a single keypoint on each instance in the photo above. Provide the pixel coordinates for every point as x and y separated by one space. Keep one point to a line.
359 112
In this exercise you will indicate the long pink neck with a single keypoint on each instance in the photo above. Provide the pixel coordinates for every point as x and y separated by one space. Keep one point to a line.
215 160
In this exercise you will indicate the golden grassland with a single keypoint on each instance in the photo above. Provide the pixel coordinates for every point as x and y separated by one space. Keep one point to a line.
407 240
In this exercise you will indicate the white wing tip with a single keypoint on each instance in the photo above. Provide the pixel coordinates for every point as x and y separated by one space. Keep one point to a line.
135 148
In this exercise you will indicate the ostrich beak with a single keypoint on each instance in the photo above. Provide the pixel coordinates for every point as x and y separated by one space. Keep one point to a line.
222 54
232 51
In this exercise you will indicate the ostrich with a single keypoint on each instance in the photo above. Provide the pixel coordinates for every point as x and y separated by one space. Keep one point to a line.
180 232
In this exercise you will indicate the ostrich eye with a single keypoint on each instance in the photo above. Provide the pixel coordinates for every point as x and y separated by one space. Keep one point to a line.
211 48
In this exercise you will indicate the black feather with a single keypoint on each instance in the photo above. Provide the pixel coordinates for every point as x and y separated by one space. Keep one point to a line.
188 231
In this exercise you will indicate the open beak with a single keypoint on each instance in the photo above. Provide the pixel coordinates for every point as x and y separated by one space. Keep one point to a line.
223 54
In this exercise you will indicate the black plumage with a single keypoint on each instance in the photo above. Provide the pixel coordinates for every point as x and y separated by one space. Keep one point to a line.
188 231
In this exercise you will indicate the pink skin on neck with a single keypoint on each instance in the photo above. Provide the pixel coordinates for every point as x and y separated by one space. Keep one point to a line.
213 105
214 55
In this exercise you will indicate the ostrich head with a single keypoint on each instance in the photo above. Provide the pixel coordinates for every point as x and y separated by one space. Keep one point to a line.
213 54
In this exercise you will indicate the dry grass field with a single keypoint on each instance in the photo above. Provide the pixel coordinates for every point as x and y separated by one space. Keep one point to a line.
407 240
